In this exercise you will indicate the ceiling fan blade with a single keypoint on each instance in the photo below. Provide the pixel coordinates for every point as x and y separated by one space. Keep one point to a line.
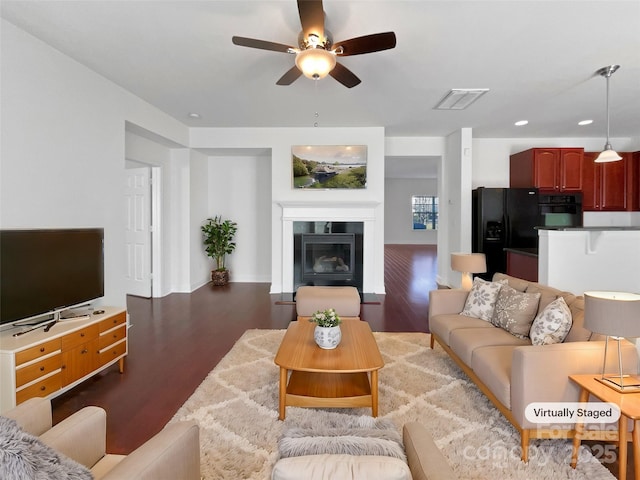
262 44
344 76
290 76
366 44
311 17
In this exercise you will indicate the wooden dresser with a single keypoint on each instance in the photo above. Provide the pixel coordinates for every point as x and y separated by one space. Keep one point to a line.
46 364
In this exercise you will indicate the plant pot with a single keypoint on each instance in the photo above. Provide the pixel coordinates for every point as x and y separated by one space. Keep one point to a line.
327 338
219 277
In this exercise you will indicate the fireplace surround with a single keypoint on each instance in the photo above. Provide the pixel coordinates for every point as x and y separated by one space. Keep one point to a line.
331 217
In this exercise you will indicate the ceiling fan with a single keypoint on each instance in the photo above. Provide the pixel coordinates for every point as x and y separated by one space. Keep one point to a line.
316 53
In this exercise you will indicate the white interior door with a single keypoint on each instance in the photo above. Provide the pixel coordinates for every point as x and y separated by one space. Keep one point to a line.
138 231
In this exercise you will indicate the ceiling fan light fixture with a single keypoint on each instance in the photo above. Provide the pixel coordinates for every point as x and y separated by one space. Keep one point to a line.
608 154
315 63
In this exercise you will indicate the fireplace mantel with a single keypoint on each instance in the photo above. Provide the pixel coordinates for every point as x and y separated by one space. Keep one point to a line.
367 212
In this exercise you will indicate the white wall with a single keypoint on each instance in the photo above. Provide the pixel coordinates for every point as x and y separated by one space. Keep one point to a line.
199 189
280 141
398 226
240 190
63 146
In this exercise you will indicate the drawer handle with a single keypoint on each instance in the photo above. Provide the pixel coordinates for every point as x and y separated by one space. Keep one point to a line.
42 369
42 349
115 336
43 388
84 351
82 334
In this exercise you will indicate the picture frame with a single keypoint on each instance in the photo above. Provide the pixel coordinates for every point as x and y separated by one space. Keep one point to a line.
329 166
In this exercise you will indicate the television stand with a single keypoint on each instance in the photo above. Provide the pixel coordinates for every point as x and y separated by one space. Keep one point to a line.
46 364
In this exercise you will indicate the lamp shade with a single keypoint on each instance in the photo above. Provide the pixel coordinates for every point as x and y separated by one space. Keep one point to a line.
612 313
315 63
468 262
609 155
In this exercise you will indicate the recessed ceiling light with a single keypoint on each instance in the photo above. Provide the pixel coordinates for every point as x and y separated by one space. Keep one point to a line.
194 115
520 123
585 122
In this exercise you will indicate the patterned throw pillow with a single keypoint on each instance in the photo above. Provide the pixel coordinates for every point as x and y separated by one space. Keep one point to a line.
515 311
552 324
481 299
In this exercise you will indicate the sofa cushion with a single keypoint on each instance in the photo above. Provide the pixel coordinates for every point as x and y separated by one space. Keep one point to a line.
481 300
312 467
515 311
23 455
442 325
465 341
514 282
578 333
552 324
492 365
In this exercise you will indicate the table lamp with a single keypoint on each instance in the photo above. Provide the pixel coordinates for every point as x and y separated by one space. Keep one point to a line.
468 263
616 315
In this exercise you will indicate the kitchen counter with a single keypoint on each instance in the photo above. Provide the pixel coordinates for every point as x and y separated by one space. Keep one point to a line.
590 229
522 263
530 252
590 258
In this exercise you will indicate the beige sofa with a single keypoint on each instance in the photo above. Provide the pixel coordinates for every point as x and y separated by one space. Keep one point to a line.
511 371
174 453
425 462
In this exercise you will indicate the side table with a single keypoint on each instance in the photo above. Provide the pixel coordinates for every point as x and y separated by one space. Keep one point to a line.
629 404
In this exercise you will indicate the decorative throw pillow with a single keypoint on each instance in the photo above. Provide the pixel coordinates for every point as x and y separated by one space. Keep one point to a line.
552 324
359 436
515 311
24 456
481 300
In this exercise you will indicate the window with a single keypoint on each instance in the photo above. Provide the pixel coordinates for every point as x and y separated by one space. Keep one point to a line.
425 212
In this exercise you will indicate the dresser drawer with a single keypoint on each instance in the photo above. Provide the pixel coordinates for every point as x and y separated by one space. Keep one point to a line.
31 372
41 389
109 323
38 351
111 353
112 337
79 337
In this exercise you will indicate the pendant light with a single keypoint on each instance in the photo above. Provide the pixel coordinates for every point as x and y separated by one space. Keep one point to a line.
608 154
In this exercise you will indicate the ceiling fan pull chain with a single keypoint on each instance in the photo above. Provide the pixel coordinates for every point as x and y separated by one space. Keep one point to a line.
315 98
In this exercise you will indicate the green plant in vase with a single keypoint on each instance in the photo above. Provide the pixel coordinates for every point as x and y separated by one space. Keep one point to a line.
218 240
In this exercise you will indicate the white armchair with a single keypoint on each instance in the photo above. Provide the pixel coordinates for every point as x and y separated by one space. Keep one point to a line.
171 454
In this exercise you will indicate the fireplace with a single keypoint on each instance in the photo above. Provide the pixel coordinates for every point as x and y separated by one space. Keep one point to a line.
328 256
360 218
332 257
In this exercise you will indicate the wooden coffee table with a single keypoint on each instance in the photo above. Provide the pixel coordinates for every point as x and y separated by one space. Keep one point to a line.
346 377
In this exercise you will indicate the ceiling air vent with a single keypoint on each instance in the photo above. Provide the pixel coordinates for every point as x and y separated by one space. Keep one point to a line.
460 98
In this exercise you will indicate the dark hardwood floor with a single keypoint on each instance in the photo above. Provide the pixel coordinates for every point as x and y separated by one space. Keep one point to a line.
175 341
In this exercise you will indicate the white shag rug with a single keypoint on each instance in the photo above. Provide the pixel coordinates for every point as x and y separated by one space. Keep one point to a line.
236 407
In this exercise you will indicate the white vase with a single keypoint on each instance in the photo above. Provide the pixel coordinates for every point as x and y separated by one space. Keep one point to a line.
327 337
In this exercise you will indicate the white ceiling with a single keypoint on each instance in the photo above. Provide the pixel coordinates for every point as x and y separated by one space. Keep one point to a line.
538 58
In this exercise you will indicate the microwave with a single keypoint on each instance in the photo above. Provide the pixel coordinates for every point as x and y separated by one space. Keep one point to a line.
560 209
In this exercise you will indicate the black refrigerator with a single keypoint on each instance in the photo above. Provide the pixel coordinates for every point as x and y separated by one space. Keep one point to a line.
503 218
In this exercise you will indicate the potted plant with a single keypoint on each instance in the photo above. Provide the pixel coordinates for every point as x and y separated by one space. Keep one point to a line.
218 241
327 333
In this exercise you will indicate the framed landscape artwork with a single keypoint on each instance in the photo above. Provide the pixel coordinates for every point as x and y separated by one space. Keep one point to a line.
329 166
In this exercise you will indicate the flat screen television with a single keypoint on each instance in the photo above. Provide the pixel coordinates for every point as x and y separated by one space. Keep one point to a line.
43 271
